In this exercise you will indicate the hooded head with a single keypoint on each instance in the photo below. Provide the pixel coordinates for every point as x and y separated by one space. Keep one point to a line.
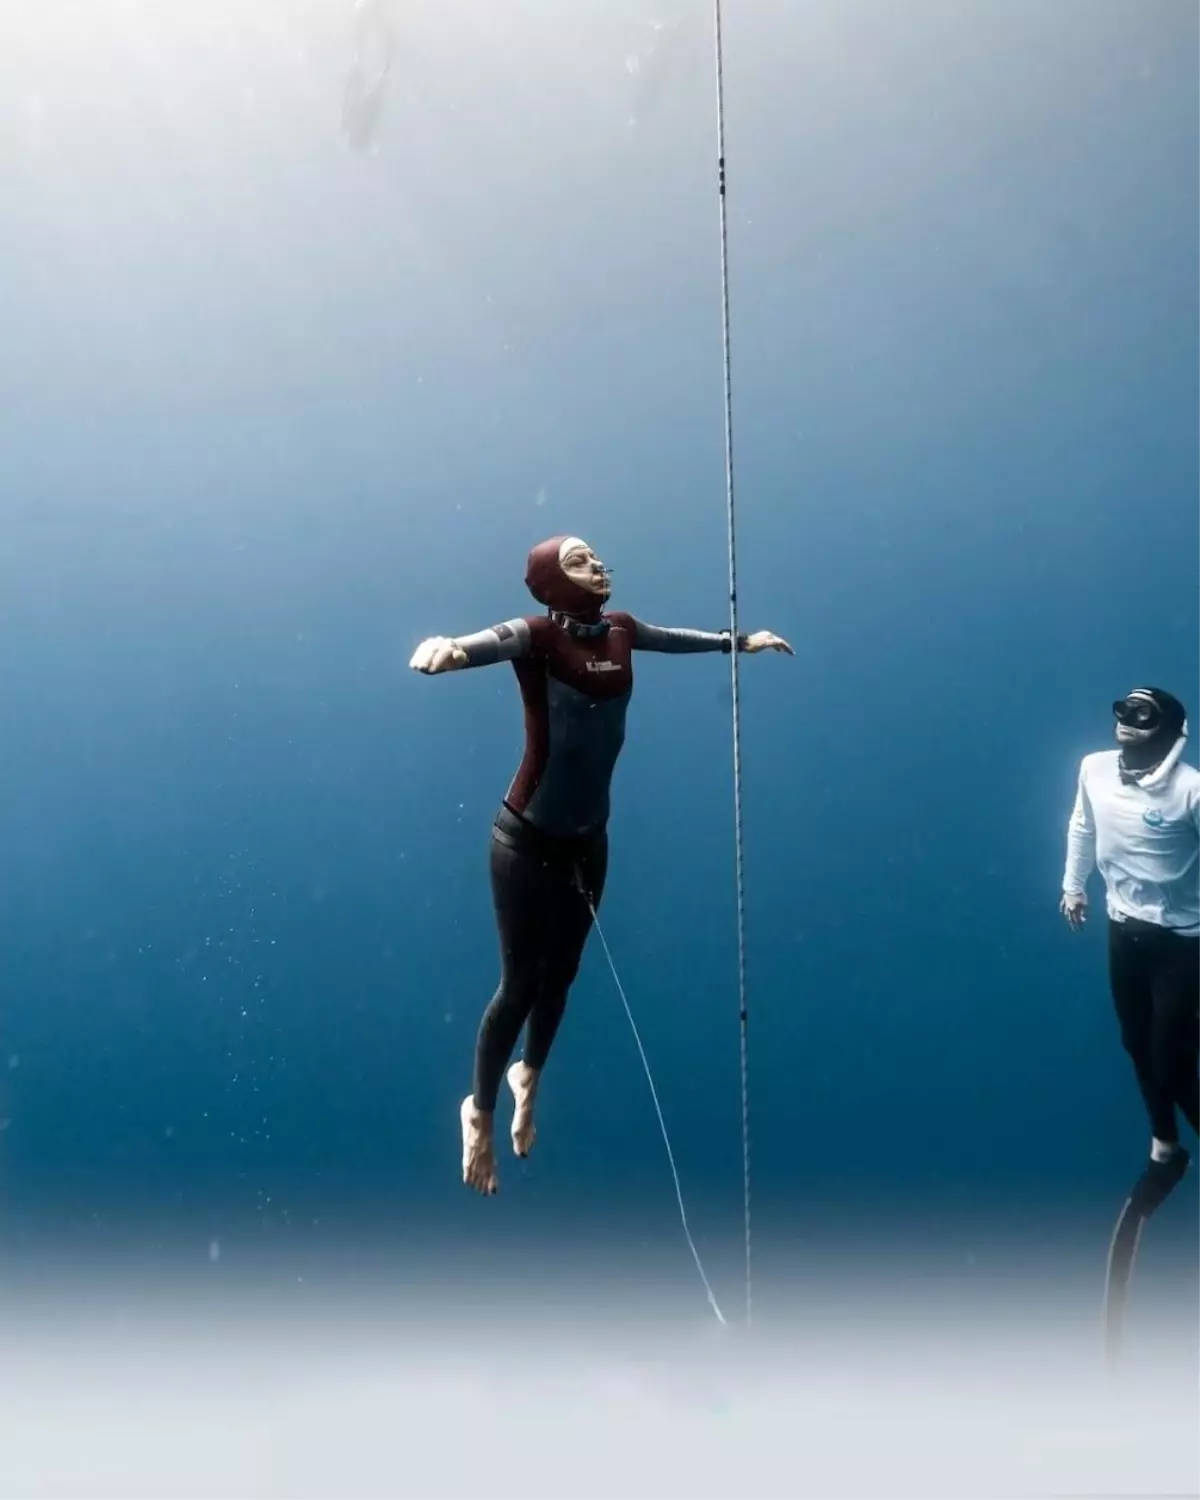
1150 724
565 575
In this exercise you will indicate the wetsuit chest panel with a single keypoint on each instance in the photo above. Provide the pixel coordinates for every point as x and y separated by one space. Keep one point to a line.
600 666
585 736
576 691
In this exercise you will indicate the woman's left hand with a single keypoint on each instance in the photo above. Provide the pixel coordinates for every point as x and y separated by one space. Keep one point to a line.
763 640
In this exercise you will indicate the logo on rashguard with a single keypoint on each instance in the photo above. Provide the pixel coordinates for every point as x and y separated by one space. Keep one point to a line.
604 666
1153 818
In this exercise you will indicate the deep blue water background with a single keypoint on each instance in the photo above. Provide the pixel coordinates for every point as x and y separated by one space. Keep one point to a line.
272 411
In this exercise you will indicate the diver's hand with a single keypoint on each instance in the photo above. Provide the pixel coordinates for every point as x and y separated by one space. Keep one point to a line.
763 640
1074 908
438 654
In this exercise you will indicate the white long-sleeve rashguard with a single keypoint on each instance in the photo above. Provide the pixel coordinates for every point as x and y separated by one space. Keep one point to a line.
1143 837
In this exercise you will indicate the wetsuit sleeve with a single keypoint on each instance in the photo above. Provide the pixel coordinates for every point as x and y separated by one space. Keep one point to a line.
673 640
1081 841
506 642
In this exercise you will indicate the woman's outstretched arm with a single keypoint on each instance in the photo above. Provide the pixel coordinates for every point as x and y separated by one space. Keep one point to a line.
675 640
442 653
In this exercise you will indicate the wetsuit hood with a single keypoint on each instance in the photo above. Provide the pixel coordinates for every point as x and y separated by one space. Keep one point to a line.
549 584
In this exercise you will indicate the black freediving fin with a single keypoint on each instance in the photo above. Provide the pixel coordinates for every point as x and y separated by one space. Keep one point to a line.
1149 1193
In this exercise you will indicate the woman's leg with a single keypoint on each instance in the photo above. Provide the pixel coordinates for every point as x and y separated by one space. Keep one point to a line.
523 925
573 902
578 890
525 928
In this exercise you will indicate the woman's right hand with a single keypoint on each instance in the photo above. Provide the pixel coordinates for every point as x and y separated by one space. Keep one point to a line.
438 654
1074 908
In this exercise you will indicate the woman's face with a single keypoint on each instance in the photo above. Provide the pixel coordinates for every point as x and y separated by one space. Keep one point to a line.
583 567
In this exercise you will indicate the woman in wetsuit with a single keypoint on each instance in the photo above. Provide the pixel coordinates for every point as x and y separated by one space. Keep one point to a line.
549 854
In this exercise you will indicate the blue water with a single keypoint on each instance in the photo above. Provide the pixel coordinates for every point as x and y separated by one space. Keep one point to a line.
273 410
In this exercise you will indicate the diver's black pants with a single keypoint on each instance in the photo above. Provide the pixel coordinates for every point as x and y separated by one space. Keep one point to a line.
544 920
1155 979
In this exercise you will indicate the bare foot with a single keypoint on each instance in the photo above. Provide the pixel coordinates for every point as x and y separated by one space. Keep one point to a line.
479 1158
523 1081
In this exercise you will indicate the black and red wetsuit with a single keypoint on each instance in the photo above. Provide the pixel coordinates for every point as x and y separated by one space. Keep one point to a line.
549 855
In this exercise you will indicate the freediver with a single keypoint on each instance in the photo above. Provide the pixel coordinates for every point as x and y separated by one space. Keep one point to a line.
1137 818
549 842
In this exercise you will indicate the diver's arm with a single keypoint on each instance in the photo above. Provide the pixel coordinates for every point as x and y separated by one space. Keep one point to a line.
677 641
1081 842
504 642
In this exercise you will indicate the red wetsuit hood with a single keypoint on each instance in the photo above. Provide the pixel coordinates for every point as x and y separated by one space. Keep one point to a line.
549 585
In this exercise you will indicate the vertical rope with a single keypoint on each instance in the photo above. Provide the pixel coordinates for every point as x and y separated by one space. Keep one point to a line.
743 1015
